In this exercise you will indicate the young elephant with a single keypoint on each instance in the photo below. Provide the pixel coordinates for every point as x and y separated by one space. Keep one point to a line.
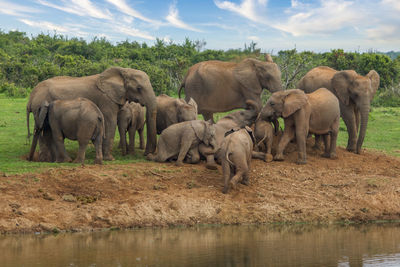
316 113
237 152
183 138
78 119
264 136
130 119
171 110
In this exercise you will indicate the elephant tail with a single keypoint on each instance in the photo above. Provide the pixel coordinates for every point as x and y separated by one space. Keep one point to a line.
28 112
180 88
228 153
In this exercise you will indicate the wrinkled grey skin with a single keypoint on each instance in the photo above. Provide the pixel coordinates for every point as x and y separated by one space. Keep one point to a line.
235 120
130 119
237 153
316 113
218 86
182 139
264 136
109 90
355 93
171 110
78 119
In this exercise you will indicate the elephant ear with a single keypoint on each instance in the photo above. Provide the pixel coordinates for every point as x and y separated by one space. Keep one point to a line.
200 128
44 109
294 100
246 74
341 83
375 80
111 83
193 103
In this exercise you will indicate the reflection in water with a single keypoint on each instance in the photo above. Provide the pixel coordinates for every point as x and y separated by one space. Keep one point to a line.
375 245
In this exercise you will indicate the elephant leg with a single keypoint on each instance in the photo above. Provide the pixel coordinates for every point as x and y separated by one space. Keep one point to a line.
334 135
301 138
98 146
110 123
258 155
241 170
82 151
206 152
132 134
185 146
349 119
122 139
287 136
226 170
326 153
46 148
207 115
317 144
141 138
58 141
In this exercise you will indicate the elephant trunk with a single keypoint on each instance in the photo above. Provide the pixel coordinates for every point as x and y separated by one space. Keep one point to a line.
151 115
364 110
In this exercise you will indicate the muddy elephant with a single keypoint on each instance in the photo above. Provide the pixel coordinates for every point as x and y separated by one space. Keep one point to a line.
355 93
171 110
130 119
264 134
181 141
78 119
315 113
235 120
218 86
237 150
109 90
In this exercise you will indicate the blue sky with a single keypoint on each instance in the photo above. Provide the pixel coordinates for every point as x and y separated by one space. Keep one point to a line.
319 25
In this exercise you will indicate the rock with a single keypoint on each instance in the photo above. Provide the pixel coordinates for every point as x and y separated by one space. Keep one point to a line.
69 198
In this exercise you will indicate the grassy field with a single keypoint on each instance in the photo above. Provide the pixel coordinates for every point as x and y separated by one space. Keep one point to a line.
383 134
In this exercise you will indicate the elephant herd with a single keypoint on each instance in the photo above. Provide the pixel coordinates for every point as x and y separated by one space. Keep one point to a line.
91 108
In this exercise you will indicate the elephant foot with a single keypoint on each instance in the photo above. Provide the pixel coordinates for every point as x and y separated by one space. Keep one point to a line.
232 185
179 163
268 158
211 166
279 157
351 149
245 182
77 160
150 157
98 161
329 155
109 158
225 190
301 161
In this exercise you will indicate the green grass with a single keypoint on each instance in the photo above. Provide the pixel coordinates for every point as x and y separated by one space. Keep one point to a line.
383 134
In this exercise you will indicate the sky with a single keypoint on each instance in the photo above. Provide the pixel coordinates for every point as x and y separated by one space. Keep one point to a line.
316 25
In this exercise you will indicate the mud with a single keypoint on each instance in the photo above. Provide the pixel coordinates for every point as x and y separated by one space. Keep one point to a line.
352 188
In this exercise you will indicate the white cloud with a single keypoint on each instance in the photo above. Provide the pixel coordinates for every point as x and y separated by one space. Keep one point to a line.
253 38
250 9
126 9
45 25
79 7
329 17
15 9
384 33
173 19
133 32
392 4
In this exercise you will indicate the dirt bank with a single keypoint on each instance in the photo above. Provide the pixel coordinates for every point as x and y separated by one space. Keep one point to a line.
354 187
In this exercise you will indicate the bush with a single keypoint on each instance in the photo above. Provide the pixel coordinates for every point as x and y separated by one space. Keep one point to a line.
13 91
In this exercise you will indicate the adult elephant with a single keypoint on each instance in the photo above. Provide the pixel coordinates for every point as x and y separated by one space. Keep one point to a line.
355 93
109 90
218 86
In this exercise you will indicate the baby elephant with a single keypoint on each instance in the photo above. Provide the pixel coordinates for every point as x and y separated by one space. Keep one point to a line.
78 119
264 136
182 139
171 110
236 150
316 113
130 119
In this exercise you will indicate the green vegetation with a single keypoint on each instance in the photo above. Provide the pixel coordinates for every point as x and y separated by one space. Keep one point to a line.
382 134
26 61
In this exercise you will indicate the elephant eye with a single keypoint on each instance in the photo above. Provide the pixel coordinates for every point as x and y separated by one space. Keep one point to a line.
272 103
139 88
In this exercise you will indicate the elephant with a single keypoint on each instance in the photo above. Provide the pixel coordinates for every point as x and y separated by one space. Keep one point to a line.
235 120
130 119
237 153
355 93
182 139
77 119
264 135
171 110
315 113
218 86
109 90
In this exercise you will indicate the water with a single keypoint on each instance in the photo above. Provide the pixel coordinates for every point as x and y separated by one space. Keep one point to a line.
374 245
